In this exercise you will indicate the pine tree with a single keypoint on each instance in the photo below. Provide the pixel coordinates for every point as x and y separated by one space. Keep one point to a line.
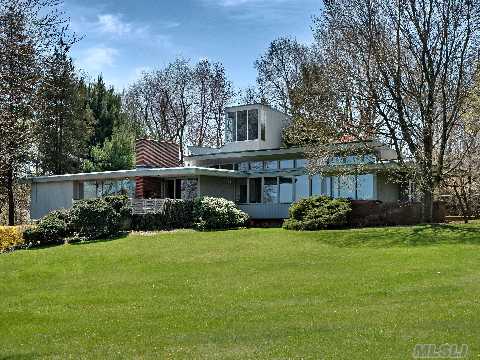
65 125
18 78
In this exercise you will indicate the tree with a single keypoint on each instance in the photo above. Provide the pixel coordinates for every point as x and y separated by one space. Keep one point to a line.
28 28
116 153
106 108
181 103
64 124
279 71
400 73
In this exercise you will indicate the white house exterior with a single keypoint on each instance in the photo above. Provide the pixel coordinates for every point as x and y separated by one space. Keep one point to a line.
252 169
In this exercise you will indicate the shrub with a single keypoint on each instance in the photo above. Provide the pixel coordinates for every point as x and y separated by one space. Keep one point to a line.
10 238
95 218
176 214
53 228
318 212
216 213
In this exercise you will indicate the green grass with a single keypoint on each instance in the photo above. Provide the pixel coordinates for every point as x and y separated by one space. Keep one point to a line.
247 294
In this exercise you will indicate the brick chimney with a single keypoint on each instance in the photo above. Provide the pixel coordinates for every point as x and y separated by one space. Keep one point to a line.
156 154
153 154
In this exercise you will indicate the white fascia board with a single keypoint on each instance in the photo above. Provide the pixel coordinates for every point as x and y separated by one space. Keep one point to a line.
145 172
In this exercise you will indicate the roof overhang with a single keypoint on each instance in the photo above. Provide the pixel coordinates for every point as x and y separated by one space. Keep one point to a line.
140 172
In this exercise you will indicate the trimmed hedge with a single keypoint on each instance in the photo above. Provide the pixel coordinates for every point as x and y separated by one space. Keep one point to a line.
216 214
176 214
318 212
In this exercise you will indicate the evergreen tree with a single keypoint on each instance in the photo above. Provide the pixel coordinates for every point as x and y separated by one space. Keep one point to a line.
65 123
106 108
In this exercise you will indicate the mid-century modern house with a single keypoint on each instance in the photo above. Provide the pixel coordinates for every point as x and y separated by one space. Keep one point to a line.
252 168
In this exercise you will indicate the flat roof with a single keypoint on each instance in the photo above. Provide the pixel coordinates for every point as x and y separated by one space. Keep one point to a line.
140 172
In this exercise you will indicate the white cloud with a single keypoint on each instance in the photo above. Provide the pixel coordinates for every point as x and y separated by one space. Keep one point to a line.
113 24
96 59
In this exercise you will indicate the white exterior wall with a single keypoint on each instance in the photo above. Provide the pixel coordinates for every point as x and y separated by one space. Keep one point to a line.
217 187
50 196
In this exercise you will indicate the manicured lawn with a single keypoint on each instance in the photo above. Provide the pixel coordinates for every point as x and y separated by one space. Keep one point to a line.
248 294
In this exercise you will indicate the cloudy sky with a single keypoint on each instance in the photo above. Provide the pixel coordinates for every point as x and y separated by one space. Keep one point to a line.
122 38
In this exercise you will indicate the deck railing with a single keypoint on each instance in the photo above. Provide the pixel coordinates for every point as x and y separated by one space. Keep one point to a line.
147 206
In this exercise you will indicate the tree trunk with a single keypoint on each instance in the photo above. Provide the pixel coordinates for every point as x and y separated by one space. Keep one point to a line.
11 199
427 206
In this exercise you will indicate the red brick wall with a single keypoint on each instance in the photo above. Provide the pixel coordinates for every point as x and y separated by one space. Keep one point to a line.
154 154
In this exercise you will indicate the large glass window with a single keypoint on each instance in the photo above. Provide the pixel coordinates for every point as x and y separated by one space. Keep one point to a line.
242 125
241 191
302 187
256 165
365 187
286 190
253 124
321 185
255 190
300 163
189 189
90 189
230 128
287 164
270 190
271 165
346 186
243 166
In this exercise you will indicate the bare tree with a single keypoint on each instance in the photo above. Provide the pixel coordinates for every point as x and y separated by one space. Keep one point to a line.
279 71
400 72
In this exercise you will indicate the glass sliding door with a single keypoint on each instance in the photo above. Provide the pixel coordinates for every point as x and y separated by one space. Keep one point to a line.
286 190
255 185
302 187
270 190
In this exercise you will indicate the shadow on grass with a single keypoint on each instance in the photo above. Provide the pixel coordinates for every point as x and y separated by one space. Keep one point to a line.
77 242
421 235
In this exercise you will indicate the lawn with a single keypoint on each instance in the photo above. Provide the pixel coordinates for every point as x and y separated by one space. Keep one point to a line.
247 294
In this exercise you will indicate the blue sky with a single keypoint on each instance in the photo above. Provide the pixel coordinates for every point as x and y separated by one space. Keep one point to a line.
122 38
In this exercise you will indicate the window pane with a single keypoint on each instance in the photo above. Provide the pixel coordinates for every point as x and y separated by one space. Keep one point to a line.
226 166
369 159
241 191
336 160
243 166
242 125
189 189
255 190
127 187
316 185
347 186
300 163
262 130
286 190
230 127
271 165
322 185
286 164
253 124
89 189
302 187
256 166
365 187
270 190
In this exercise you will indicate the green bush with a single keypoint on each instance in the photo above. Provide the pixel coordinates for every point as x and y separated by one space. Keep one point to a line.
216 213
53 228
95 218
176 214
318 212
